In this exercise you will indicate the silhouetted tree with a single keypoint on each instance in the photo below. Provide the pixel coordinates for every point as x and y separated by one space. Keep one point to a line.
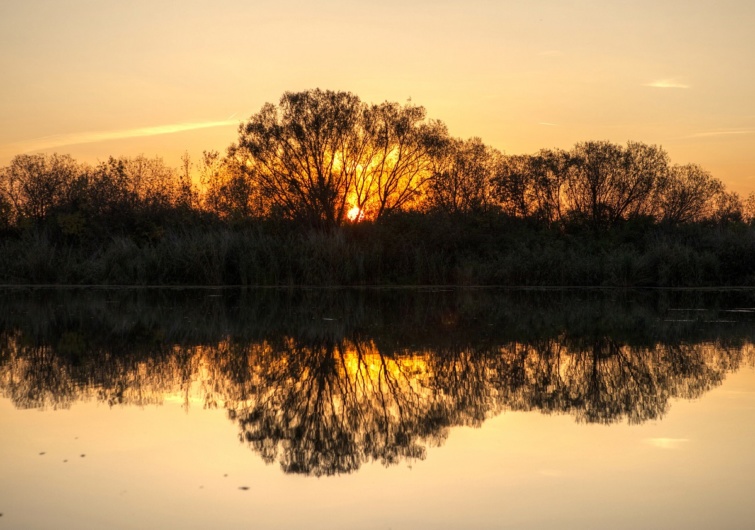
319 153
229 191
187 194
397 162
550 169
515 185
607 183
150 181
303 152
748 208
463 173
6 213
136 195
34 185
533 185
689 193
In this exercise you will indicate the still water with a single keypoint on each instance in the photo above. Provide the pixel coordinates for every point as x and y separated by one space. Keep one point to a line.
428 408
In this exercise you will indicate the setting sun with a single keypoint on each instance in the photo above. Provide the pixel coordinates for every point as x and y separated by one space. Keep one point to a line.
355 214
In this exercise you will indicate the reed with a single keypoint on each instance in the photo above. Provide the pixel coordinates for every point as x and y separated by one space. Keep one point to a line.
407 249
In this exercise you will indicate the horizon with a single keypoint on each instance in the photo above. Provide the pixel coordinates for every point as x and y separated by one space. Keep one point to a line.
520 77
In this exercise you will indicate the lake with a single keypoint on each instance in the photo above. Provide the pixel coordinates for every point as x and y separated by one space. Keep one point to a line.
376 408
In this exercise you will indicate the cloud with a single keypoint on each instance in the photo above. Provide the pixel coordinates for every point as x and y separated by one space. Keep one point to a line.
59 140
666 83
666 443
547 123
721 132
551 53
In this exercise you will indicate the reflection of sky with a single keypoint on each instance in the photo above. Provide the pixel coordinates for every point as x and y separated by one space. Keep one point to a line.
667 443
159 466
667 73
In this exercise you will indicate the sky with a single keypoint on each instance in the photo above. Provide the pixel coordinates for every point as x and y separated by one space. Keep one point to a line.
94 78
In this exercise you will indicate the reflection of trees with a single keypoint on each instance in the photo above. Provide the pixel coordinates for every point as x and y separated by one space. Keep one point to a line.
603 382
329 407
32 376
324 397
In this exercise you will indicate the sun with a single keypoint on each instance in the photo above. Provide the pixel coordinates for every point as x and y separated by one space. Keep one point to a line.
355 214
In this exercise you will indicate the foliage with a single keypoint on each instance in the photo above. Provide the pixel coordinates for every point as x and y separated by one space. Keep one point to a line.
319 153
325 189
463 176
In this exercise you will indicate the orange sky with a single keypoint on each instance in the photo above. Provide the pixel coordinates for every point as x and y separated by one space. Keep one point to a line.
100 78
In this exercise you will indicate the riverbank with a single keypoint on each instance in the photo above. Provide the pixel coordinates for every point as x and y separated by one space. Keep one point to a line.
405 249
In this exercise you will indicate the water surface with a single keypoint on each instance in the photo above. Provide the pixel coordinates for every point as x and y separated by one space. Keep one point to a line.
434 408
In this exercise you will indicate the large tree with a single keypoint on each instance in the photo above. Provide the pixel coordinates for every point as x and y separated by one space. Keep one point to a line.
463 178
300 153
33 185
397 166
689 194
608 182
318 154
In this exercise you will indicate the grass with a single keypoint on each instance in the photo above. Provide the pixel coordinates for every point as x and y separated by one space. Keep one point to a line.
407 249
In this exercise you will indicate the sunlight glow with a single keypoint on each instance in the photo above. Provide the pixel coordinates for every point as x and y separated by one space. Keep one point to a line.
355 214
363 363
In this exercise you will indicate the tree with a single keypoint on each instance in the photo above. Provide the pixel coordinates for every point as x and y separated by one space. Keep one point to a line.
748 208
689 194
152 182
532 185
463 176
229 191
35 184
607 183
514 182
397 164
302 153
549 168
187 193
6 213
645 166
319 153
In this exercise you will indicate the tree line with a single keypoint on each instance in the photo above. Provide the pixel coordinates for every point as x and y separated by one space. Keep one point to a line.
325 189
324 158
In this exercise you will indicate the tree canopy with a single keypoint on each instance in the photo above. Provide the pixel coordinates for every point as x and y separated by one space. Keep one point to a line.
323 158
317 154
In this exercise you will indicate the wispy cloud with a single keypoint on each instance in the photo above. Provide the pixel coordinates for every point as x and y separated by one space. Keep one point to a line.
547 123
551 53
60 140
721 132
666 83
666 443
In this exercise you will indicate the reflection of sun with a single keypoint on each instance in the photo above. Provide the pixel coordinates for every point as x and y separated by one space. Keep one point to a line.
355 214
367 370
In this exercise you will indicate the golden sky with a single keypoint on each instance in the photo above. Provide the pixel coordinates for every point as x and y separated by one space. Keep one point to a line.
95 78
